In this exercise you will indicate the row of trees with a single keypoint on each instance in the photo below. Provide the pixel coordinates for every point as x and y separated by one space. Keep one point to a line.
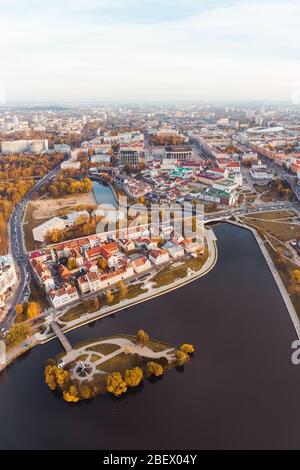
57 378
63 186
16 167
160 140
16 174
17 334
28 312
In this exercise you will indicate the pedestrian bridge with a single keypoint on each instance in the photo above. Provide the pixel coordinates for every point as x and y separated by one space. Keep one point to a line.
61 336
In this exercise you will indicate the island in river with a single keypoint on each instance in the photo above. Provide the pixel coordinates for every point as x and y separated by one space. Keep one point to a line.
112 365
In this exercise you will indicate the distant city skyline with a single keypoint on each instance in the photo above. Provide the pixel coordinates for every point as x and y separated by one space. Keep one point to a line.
159 50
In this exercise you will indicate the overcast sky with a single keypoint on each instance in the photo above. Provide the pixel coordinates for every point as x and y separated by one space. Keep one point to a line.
143 50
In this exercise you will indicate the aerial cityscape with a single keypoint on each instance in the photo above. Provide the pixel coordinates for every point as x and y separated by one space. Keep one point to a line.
149 230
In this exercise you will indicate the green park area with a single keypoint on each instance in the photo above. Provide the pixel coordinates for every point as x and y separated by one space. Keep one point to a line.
114 365
170 274
109 298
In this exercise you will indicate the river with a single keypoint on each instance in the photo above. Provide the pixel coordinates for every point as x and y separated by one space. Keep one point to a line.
239 391
103 193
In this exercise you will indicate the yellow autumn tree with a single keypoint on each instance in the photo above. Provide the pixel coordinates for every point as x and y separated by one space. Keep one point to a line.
116 384
72 264
133 377
182 357
123 289
85 392
71 395
109 296
102 264
296 276
56 377
187 348
142 337
16 334
50 377
19 311
33 309
153 368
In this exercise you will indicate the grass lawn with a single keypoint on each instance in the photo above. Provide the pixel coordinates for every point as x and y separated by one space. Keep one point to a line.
272 215
75 312
285 269
106 348
118 363
168 275
29 224
283 231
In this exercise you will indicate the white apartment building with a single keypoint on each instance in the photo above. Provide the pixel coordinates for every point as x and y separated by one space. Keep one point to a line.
100 158
126 244
72 217
141 264
42 275
260 173
93 282
175 251
19 146
40 233
70 165
64 296
8 277
62 148
158 256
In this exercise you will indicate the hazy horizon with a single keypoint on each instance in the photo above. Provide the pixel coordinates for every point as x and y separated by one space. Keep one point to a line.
150 51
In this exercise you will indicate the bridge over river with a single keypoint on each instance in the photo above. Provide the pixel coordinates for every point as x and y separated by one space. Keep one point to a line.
61 336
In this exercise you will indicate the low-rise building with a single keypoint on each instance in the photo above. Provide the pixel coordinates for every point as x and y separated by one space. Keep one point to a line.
41 232
73 217
141 264
42 275
8 277
127 244
260 173
158 256
178 152
64 296
175 251
194 248
146 243
70 165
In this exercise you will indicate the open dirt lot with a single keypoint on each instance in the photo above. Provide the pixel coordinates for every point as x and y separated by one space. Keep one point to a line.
47 208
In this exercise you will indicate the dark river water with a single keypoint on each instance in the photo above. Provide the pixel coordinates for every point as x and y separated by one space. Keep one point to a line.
239 391
103 194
